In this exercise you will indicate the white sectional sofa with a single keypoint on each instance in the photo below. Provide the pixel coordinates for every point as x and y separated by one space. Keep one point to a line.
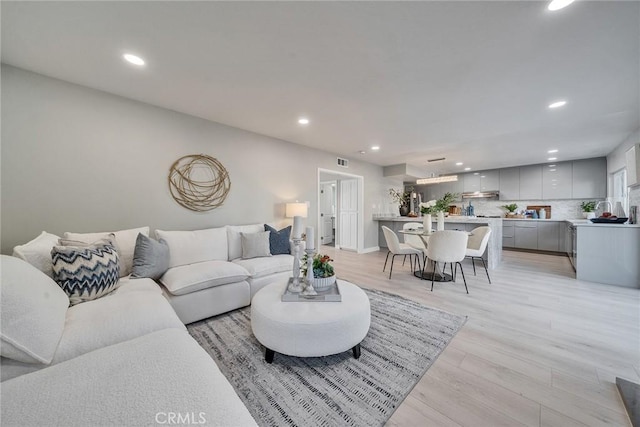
126 358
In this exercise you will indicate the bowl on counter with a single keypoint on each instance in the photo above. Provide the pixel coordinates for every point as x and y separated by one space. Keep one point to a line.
609 220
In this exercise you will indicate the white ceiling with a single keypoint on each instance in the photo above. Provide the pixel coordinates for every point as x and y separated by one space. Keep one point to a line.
469 81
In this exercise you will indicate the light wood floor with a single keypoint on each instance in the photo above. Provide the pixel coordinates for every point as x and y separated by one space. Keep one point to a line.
539 348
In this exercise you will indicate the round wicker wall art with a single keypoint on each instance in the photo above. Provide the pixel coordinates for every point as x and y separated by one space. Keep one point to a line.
199 182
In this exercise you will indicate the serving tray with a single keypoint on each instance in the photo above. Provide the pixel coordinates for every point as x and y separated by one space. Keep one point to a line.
331 294
609 220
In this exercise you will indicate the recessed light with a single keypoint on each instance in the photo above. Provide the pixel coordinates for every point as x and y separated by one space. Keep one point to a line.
459 164
133 59
375 148
551 159
557 104
467 169
552 166
552 170
559 4
552 151
476 173
303 121
362 152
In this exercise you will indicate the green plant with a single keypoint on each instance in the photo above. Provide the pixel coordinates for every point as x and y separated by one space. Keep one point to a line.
401 197
588 206
321 266
511 207
440 205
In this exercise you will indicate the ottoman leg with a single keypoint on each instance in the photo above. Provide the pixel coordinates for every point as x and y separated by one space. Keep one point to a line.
356 351
268 355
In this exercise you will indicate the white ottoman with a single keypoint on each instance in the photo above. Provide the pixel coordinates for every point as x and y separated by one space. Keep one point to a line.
310 329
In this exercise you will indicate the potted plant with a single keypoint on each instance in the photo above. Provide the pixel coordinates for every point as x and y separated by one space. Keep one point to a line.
402 198
512 208
323 273
436 206
588 207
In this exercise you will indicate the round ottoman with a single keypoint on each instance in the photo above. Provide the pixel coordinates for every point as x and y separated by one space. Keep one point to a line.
310 329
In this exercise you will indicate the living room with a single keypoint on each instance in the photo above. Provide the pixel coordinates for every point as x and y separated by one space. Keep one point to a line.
88 141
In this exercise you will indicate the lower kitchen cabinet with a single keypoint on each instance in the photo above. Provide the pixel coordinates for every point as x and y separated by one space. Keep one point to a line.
526 235
508 235
536 235
549 236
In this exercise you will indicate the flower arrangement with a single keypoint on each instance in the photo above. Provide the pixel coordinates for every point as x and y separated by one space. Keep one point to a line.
401 197
440 205
321 266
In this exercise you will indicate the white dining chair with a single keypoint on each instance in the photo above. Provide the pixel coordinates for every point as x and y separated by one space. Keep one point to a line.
476 246
448 247
397 248
413 240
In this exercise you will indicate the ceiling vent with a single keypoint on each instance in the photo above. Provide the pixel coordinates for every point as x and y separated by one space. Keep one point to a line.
343 162
435 160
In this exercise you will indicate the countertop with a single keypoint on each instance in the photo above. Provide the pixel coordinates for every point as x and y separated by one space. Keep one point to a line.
434 218
581 222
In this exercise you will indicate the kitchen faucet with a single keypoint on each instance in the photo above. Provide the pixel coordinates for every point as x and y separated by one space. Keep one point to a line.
604 201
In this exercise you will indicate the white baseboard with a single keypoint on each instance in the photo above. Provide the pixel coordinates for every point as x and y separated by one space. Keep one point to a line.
371 249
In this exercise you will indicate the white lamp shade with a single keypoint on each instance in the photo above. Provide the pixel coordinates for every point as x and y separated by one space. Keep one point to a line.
296 209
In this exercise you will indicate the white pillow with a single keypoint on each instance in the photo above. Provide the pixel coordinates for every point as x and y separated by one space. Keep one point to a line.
32 312
37 252
255 245
233 235
125 244
188 247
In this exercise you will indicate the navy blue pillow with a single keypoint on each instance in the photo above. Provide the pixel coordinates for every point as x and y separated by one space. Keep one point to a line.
279 240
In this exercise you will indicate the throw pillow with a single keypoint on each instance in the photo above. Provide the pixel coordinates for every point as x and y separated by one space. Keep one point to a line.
37 252
279 240
86 272
255 244
150 258
33 310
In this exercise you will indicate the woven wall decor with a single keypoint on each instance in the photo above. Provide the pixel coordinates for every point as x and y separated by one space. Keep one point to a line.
199 182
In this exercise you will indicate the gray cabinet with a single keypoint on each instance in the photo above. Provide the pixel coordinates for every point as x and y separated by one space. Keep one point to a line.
509 184
549 236
490 180
508 233
557 181
526 235
471 182
531 182
590 178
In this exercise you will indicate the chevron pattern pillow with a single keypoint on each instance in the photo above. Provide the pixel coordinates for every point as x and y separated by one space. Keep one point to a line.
86 272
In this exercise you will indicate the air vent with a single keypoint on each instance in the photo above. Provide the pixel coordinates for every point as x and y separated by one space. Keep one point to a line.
435 160
343 162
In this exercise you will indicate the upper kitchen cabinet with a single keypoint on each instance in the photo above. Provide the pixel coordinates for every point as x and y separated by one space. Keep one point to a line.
531 182
490 180
590 178
557 181
471 182
509 184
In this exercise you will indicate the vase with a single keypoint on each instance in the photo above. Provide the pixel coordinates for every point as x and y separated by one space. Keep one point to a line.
426 223
323 283
440 221
404 210
589 215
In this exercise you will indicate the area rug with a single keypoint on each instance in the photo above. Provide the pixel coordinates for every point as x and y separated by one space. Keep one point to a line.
405 338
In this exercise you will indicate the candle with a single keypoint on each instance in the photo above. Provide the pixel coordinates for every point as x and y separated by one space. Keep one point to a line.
310 239
296 232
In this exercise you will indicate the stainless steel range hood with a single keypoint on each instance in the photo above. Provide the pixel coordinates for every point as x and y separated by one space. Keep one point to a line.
481 195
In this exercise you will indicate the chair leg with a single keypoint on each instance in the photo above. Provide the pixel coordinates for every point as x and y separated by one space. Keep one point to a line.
433 275
404 259
463 278
385 261
485 269
391 269
418 262
453 274
424 267
474 265
410 262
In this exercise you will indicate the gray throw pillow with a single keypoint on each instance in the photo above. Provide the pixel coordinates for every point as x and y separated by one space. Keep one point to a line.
150 258
279 240
255 244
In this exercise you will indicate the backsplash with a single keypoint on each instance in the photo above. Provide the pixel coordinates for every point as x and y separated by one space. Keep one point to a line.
560 209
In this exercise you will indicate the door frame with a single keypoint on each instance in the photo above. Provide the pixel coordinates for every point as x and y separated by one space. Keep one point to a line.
360 229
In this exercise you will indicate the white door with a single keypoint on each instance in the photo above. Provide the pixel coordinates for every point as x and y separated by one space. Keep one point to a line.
348 211
326 213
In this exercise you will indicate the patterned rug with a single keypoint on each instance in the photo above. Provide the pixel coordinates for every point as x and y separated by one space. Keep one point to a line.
405 338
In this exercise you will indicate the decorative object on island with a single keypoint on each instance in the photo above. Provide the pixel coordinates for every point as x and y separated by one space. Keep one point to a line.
403 198
511 208
323 274
588 207
440 220
297 211
199 182
427 225
439 207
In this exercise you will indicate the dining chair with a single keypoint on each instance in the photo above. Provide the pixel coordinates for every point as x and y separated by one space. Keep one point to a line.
477 245
397 248
413 240
448 247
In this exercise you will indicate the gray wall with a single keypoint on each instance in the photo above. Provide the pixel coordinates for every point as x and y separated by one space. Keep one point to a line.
77 159
616 161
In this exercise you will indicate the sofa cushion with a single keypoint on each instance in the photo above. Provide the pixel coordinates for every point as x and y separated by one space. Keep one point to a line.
150 258
258 267
233 236
255 244
185 279
32 312
86 272
279 241
125 244
189 247
37 252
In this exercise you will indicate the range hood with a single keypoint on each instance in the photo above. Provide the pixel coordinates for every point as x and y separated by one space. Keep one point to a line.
481 195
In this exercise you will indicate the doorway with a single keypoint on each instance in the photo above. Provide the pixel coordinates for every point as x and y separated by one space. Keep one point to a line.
340 210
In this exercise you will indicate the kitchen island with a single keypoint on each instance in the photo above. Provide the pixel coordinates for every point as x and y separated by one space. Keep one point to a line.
493 255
